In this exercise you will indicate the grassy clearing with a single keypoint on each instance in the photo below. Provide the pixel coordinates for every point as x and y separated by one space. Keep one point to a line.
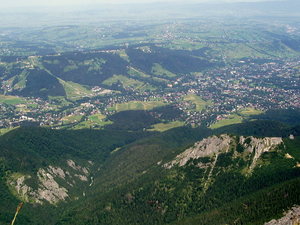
96 118
197 74
198 101
87 124
255 50
21 80
58 101
249 112
137 105
160 80
158 70
35 61
75 91
231 119
32 106
128 83
123 55
237 51
135 72
93 121
161 127
184 45
6 130
71 119
11 100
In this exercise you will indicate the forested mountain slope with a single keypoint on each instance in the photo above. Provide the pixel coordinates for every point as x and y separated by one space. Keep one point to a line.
124 177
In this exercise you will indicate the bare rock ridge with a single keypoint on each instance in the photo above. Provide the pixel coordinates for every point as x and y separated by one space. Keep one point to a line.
259 146
292 217
206 147
212 146
53 183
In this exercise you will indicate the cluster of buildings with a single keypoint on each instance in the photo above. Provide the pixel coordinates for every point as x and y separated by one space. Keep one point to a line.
263 86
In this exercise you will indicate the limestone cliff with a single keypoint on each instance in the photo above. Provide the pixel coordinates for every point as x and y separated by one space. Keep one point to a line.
214 145
52 183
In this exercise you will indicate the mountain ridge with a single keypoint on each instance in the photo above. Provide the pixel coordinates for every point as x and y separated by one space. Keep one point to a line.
130 172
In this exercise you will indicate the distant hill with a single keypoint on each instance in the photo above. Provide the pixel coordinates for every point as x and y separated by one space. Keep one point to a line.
46 76
97 12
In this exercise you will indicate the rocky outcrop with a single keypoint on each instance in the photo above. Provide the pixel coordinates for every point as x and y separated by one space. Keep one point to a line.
292 217
215 145
74 166
57 172
49 189
213 150
81 177
258 146
206 147
21 188
53 183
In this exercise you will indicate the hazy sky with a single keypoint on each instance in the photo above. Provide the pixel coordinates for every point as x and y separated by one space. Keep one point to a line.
29 3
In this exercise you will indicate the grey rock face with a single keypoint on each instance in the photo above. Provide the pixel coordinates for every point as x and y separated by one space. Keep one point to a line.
259 146
214 145
292 217
53 183
206 147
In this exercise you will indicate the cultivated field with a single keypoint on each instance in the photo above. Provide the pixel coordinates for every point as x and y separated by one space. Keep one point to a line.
137 105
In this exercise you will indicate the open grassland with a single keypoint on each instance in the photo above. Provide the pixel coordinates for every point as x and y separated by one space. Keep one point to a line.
158 70
93 121
198 101
242 50
57 106
135 72
11 100
231 119
137 105
58 101
249 112
21 80
96 118
75 91
71 119
237 51
128 83
160 80
161 127
184 45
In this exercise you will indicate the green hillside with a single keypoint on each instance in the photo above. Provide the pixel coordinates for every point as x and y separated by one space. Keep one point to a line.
157 113
169 195
27 152
115 176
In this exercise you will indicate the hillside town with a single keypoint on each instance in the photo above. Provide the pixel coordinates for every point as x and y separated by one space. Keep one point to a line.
259 85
